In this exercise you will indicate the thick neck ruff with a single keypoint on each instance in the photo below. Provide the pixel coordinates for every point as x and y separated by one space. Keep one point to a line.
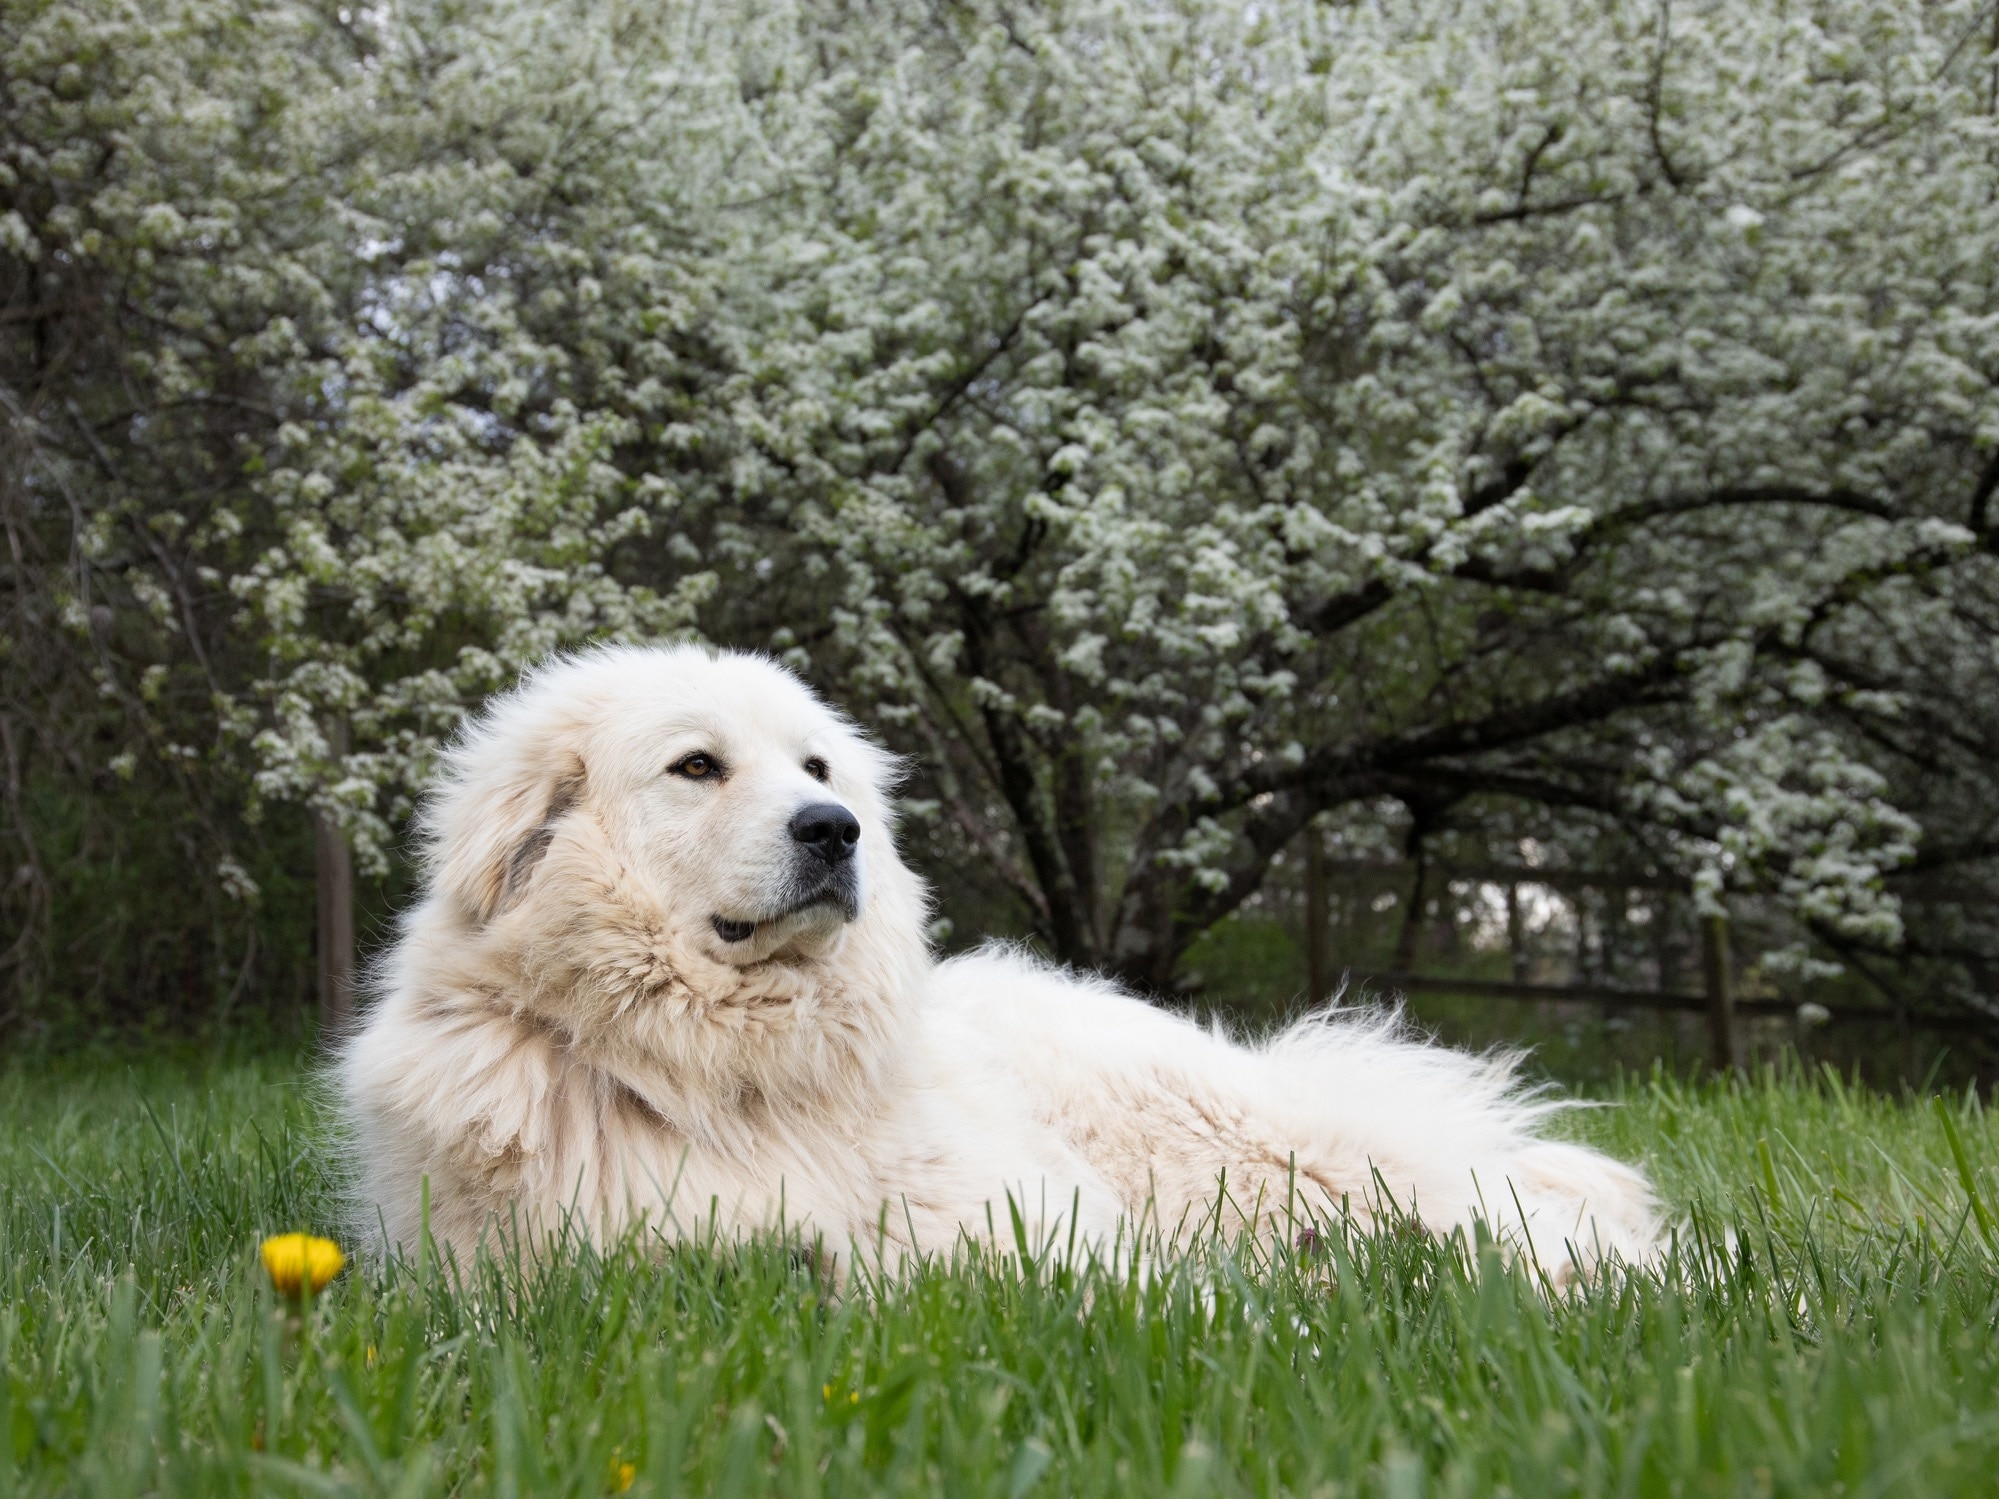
588 964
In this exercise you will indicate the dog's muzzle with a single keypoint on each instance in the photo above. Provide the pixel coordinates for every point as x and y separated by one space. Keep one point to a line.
825 871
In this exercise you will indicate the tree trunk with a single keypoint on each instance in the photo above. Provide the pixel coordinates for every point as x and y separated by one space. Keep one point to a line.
1412 919
1720 991
334 868
1516 936
1318 919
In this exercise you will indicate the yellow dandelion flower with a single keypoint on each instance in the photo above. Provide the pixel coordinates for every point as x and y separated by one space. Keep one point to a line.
296 1260
622 1475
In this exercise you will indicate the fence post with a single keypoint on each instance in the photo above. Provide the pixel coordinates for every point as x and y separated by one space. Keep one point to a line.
1412 919
1516 935
1720 991
1318 917
333 871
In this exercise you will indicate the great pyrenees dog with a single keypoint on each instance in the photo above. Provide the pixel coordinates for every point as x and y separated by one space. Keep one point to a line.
669 974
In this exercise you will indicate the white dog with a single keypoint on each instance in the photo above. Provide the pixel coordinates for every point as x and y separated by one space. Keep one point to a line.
669 970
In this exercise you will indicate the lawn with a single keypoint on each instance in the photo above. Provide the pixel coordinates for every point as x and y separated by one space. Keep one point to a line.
1829 1328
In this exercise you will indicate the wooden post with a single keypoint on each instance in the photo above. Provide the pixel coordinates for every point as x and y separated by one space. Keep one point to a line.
1412 919
1318 918
1583 968
1720 991
334 877
1516 934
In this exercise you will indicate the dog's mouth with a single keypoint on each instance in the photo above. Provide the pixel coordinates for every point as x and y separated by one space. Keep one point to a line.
827 902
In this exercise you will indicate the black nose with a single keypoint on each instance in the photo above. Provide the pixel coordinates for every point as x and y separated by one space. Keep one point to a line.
828 829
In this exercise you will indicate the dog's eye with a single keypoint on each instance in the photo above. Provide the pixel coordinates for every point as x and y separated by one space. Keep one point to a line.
816 768
698 767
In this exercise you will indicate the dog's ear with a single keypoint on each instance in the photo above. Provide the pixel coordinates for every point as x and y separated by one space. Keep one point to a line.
492 824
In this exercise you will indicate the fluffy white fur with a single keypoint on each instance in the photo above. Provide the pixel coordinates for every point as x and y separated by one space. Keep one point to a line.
564 1031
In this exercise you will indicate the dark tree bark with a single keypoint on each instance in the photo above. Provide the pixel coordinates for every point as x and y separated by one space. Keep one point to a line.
1718 970
1318 919
334 882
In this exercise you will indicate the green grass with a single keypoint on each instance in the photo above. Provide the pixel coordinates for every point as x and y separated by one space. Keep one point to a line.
1830 1328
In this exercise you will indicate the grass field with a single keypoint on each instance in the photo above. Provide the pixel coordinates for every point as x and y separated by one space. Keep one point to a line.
1829 1329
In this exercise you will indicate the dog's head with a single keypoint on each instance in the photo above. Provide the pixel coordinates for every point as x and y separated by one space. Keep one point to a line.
708 796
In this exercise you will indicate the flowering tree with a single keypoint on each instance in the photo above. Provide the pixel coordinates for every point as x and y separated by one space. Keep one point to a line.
160 248
1169 424
1212 419
478 466
293 457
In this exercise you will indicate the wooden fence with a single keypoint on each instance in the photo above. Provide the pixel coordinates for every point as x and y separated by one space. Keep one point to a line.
1717 1000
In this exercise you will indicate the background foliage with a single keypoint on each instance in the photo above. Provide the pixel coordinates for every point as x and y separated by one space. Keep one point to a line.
1486 429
